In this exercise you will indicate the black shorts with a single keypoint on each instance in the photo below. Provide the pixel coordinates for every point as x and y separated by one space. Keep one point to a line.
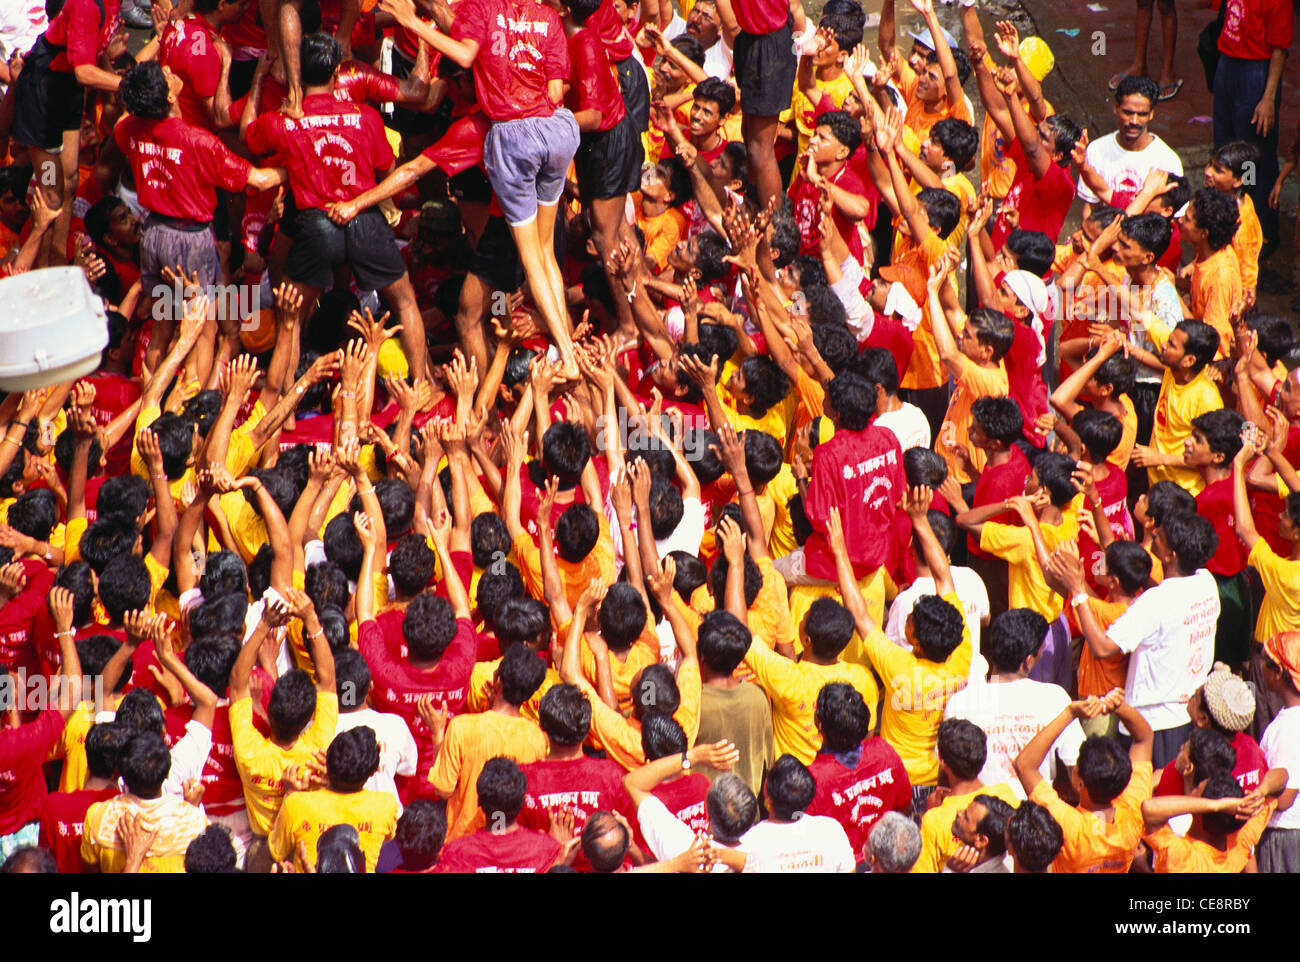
496 258
471 185
365 244
46 103
609 161
765 67
636 92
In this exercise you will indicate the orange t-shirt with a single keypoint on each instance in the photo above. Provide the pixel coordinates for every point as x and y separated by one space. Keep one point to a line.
1099 676
924 370
1092 844
917 118
1176 854
973 383
575 576
1246 243
1216 286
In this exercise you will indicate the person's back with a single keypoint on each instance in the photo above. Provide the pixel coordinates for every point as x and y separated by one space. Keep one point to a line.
742 716
790 840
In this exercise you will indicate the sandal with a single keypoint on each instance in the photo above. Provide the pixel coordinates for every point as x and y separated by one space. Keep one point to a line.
1170 91
1113 83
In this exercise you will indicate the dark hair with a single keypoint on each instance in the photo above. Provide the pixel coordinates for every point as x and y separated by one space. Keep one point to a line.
1191 538
993 826
655 692
958 140
605 842
353 756
753 578
732 807
211 660
124 586
1221 785
1015 635
211 852
77 578
1130 565
666 507
662 736
139 711
843 127
691 573
1216 214
1238 156
144 763
924 466
104 743
1222 430
1104 215
853 399
843 717
962 746
420 834
723 641
1210 751
1033 835
999 418
993 329
428 626
765 383
1056 474
488 538
710 246
319 58
763 458
1275 337
65 447
565 451
1152 232
1032 249
338 851
1104 768
144 91
107 538
719 91
1119 372
1166 497
1066 133
1099 431
581 10
1141 86
521 673
352 679
496 586
690 48
411 563
790 788
565 715
622 616
829 627
846 28
292 704
945 530
522 620
34 514
124 494
501 788
942 208
878 365
937 626
577 532
326 585
837 345
342 546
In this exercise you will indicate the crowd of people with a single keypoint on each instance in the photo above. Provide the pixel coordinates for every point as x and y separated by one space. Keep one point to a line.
646 437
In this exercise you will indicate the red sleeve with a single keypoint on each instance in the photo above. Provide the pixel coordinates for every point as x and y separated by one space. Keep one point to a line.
225 168
1171 783
823 493
30 744
556 51
461 147
261 134
83 33
1280 29
471 22
372 644
381 88
585 59
200 65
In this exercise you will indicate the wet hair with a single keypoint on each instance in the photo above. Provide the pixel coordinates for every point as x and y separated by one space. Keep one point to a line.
77 578
1032 249
662 736
843 717
320 57
717 340
338 851
421 832
144 91
223 574
924 466
1099 431
1033 835
488 538
993 329
942 208
211 852
1221 785
1119 372
1103 215
962 746
1015 635
937 627
723 641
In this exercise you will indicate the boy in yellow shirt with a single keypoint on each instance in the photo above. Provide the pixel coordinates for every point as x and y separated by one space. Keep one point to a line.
1280 609
1226 173
1103 832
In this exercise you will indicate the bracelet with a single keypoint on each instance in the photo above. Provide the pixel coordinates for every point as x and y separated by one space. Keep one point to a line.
317 633
9 440
61 634
369 489
741 494
160 477
20 424
347 393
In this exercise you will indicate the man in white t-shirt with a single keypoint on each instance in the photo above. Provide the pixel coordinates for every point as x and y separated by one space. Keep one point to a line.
1279 846
790 841
397 751
1168 632
1125 157
705 25
1011 707
972 594
907 421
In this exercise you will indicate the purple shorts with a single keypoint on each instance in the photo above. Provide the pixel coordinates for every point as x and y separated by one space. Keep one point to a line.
527 160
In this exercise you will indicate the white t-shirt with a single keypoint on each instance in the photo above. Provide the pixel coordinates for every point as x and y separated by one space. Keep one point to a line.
1281 745
1011 714
908 424
21 24
974 598
397 753
1169 632
1126 170
813 843
717 59
665 834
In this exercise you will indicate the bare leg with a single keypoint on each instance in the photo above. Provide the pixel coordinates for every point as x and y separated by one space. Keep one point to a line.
1169 40
536 244
69 157
760 146
608 221
470 312
401 295
1141 36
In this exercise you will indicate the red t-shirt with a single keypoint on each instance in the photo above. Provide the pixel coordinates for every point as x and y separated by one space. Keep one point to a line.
1025 380
461 147
861 473
82 32
332 152
807 211
684 797
178 167
1113 491
521 46
17 646
397 686
1249 771
188 49
359 82
1173 255
596 86
997 483
1267 507
1252 28
223 792
113 395
613 34
247 30
579 786
63 824
761 16
532 477
22 784
1214 503
1042 202
856 797
891 334
520 850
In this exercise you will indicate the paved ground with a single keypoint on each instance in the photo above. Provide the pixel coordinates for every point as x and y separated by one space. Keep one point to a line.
1077 87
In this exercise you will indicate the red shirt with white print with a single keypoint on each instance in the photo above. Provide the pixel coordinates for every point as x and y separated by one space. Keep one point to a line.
178 167
82 32
188 49
857 792
595 83
521 46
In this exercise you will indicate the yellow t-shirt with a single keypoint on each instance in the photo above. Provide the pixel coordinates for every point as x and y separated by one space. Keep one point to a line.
178 824
937 841
973 383
1014 544
804 112
1280 609
916 692
793 687
471 741
621 737
478 697
1092 844
1179 405
1124 450
262 764
1177 854
782 489
304 816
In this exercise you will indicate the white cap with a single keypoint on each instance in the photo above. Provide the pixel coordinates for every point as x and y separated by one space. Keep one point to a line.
1029 290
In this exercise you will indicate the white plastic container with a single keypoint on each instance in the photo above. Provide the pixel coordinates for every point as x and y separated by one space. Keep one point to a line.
52 328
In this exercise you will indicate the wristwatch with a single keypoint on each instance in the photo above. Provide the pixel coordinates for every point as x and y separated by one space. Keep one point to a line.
686 761
1081 598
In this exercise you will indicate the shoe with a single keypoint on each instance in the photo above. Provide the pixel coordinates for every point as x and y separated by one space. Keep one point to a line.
1170 91
137 18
